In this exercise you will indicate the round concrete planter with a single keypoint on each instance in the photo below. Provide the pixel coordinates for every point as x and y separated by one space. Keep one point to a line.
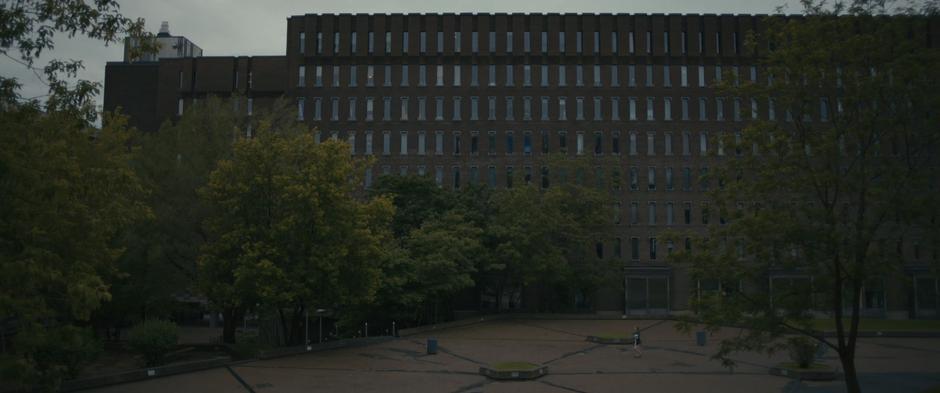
611 340
514 371
816 372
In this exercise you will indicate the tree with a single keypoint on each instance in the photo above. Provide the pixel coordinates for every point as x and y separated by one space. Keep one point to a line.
287 234
66 192
539 236
436 255
825 194
174 163
416 199
28 28
435 263
586 215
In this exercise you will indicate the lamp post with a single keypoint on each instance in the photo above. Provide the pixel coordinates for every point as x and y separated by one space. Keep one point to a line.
320 312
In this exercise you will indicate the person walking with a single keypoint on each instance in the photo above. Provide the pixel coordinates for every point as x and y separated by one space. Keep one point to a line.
637 350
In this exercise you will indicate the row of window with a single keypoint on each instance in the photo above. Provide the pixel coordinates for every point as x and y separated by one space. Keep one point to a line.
916 253
548 75
511 41
506 143
549 109
651 243
916 250
602 179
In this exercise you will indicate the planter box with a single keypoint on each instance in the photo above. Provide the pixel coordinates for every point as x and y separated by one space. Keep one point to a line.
516 374
610 340
826 374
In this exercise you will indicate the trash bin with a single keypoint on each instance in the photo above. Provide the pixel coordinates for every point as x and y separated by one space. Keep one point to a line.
432 346
700 338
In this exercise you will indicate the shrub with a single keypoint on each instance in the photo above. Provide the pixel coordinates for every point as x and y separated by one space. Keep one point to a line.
153 339
802 351
48 355
247 346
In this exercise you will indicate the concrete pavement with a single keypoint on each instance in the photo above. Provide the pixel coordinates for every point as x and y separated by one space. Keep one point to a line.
671 363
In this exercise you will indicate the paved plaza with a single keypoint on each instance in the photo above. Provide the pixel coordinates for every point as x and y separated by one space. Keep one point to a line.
672 362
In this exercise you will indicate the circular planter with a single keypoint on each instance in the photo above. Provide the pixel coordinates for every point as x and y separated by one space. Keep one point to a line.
611 340
816 372
513 371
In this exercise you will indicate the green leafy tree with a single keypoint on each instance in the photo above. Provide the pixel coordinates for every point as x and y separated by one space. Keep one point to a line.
437 231
441 257
539 236
287 233
826 192
586 216
28 29
52 355
154 339
174 163
416 199
66 193
520 236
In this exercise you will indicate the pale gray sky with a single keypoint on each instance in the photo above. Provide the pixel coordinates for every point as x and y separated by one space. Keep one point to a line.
253 27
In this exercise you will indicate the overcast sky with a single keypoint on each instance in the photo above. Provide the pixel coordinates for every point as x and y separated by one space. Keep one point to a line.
258 27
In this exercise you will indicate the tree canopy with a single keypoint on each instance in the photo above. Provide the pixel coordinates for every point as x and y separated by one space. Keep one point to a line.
287 234
67 193
819 194
28 28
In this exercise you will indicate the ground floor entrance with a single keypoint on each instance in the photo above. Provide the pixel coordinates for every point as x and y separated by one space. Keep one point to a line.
925 296
646 294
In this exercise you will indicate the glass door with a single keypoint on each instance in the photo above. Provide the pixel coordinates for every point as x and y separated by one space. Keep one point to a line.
925 293
636 296
647 295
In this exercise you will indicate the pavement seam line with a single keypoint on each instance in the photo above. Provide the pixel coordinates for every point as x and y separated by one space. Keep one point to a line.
653 325
570 354
549 329
467 388
555 385
240 380
451 353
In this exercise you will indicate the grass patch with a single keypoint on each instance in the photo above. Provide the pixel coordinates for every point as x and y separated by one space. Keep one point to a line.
935 389
883 325
514 366
794 366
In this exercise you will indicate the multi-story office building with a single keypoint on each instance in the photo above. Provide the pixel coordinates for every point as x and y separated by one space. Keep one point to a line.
483 98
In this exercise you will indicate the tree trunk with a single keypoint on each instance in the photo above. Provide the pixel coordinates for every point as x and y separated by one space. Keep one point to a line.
499 296
285 330
297 326
848 368
848 355
230 317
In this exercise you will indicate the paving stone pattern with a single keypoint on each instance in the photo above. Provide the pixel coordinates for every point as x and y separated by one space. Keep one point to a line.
671 362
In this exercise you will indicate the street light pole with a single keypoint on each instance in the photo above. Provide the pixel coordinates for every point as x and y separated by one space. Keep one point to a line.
320 312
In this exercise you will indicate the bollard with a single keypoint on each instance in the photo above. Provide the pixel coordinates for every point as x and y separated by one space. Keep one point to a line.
367 330
700 338
432 346
393 330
